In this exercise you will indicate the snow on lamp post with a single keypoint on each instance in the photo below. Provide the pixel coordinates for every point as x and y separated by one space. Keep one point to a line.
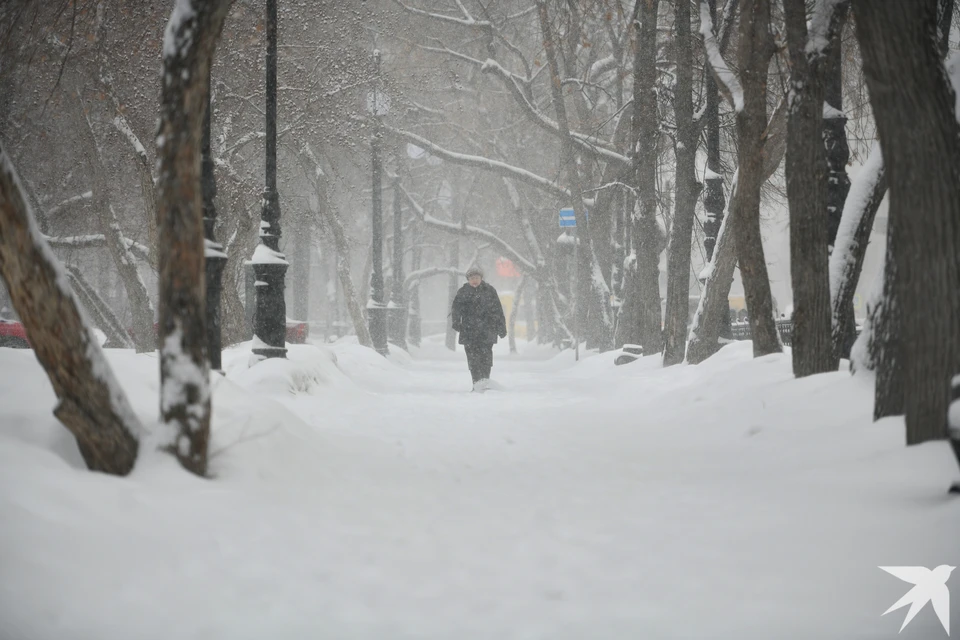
378 104
269 265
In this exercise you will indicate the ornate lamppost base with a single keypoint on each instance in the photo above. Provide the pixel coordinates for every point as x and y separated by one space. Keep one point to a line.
270 327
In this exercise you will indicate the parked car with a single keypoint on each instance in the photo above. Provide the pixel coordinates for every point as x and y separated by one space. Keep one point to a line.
13 335
297 332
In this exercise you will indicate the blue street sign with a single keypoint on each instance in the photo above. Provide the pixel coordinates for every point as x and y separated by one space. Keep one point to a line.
567 218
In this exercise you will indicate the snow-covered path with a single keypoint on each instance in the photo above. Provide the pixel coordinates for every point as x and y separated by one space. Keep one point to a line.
374 499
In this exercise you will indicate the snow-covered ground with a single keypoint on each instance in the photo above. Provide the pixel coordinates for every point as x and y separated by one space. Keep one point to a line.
357 497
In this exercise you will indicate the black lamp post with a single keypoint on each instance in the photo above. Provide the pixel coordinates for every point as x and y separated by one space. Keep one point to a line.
269 265
378 105
215 258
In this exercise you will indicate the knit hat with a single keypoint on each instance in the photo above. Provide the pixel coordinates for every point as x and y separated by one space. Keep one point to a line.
474 271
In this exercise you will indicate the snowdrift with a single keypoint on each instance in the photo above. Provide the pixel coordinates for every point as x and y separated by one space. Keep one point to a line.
359 497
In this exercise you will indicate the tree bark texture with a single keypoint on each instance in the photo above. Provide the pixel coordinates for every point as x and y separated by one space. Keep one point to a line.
713 198
643 312
834 124
846 260
914 107
712 318
812 350
754 52
92 406
688 190
189 43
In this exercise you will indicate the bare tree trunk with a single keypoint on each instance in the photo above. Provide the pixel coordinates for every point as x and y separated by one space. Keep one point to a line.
103 316
884 346
189 42
834 125
913 104
806 192
590 293
688 190
414 321
850 248
529 313
713 199
755 50
332 221
712 318
141 308
712 314
92 405
453 284
514 312
647 238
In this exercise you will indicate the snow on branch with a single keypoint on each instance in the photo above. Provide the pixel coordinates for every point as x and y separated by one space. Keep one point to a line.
96 241
590 144
87 195
416 276
466 21
522 13
725 76
455 227
124 127
495 166
860 199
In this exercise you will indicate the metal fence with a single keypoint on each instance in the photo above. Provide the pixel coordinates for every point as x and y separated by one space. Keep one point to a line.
741 331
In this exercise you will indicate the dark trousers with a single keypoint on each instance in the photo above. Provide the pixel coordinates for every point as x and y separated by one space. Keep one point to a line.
479 359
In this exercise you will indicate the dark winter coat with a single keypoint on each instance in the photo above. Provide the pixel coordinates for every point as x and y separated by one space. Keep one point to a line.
478 315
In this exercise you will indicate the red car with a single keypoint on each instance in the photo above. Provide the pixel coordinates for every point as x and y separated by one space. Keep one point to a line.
297 332
13 335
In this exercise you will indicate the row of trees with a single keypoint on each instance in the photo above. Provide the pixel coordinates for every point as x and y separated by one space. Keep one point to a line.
619 127
511 107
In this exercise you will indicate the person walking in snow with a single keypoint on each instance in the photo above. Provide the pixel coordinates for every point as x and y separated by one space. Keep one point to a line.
478 318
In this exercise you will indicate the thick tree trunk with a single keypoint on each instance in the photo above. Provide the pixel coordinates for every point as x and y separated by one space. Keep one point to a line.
92 405
713 315
647 237
806 193
884 351
754 52
711 323
688 190
850 248
914 107
834 125
713 199
189 42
